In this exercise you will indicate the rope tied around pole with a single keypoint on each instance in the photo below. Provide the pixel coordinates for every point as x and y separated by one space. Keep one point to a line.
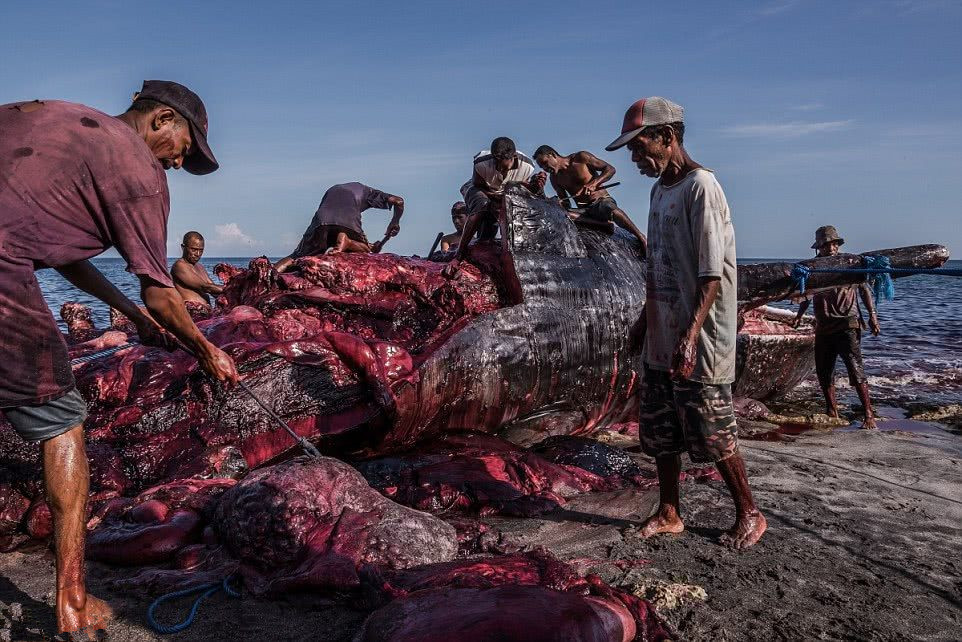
205 590
878 269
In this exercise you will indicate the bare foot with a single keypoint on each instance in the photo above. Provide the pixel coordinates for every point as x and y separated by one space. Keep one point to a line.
747 530
869 424
666 520
81 611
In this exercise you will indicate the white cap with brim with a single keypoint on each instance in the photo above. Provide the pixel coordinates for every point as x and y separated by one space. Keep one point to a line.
646 113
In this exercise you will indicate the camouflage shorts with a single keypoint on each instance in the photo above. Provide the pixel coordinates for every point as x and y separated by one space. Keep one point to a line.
678 416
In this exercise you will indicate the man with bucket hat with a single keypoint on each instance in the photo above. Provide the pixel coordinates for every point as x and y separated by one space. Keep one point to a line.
74 182
838 330
687 329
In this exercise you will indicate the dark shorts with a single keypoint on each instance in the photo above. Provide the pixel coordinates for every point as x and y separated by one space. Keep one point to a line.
602 210
679 416
48 420
477 202
829 347
318 239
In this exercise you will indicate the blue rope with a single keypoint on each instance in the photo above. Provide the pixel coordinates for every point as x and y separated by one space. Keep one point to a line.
882 285
206 591
877 267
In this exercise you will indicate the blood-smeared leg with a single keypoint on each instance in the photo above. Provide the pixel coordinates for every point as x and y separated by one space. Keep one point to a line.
67 479
750 524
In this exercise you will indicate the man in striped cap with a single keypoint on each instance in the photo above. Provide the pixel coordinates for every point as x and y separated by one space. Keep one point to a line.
690 321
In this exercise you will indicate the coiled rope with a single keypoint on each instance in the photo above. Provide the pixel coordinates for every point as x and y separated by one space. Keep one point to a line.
205 590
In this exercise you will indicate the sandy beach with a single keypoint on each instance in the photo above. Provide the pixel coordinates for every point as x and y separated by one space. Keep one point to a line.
847 555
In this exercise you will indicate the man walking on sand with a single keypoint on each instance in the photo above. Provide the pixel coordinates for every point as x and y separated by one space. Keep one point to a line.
838 331
689 323
74 182
190 276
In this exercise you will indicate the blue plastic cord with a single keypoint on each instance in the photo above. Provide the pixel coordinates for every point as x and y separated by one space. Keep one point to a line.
206 591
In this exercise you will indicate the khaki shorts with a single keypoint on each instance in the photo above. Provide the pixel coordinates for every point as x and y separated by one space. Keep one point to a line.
48 420
680 416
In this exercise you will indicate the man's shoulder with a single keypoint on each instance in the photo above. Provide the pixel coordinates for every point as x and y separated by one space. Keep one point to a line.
704 178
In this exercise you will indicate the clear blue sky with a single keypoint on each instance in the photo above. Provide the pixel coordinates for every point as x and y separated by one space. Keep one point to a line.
811 112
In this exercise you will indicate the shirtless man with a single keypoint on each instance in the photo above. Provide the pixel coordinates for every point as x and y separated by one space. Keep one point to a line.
190 277
459 215
579 176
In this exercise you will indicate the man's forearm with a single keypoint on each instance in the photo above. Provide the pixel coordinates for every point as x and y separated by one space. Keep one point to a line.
84 276
605 175
708 288
167 308
867 299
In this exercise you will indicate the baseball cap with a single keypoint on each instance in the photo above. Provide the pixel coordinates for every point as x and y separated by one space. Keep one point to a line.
646 112
189 105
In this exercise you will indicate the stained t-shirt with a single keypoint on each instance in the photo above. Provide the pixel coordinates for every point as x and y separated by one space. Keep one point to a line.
342 206
836 310
73 183
690 235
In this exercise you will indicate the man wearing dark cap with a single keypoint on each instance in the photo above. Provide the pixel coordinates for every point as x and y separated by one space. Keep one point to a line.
838 330
493 169
74 182
688 326
336 226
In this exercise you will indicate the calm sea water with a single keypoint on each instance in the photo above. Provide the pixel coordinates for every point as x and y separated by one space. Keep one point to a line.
918 356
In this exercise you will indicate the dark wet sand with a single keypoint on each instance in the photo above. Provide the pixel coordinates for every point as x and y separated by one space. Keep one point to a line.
846 557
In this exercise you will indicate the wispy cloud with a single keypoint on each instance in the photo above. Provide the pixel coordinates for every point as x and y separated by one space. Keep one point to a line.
808 106
231 235
792 129
775 8
922 6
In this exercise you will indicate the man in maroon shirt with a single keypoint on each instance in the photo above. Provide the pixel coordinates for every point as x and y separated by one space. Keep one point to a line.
73 183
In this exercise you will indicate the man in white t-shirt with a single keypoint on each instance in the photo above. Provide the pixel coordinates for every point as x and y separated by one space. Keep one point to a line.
689 324
493 169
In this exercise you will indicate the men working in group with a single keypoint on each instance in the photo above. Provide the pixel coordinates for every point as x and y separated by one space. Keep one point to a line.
579 176
189 276
336 226
838 330
689 323
74 182
459 215
493 169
